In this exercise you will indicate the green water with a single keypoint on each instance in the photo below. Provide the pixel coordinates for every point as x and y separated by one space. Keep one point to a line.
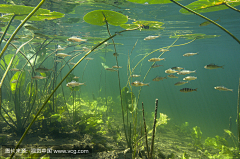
206 108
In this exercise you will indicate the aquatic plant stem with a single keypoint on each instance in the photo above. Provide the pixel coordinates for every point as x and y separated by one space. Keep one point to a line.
226 4
5 32
145 129
154 126
238 132
128 142
20 26
207 20
60 83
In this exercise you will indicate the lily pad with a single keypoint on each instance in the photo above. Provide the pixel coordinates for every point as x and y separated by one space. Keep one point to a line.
99 17
150 1
194 36
203 6
22 11
144 25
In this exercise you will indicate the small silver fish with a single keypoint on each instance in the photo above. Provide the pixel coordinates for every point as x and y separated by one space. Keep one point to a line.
134 75
170 71
190 54
177 68
156 65
38 77
63 55
74 84
42 69
163 50
172 76
111 69
155 59
151 37
75 77
213 66
60 48
89 58
180 83
222 88
189 78
14 81
207 23
158 78
116 66
15 69
57 61
71 63
138 84
75 39
186 90
184 72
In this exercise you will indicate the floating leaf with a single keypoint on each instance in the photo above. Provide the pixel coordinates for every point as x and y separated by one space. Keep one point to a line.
22 11
99 17
7 59
203 6
20 76
150 1
194 36
144 25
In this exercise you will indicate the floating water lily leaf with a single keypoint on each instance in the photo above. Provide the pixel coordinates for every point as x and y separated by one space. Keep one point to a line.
97 17
195 36
144 25
150 1
4 63
203 6
22 11
20 76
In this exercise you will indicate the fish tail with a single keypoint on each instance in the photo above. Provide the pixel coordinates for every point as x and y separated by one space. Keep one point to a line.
195 89
222 67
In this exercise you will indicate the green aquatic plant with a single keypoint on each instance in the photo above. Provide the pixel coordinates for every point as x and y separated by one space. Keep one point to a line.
197 137
128 100
100 17
21 11
222 150
144 25
203 6
211 21
150 1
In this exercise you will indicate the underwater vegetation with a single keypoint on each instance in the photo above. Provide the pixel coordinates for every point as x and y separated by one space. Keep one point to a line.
46 95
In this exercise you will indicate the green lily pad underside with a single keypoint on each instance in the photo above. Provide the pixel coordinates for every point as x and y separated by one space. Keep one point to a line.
194 36
150 1
144 25
22 11
97 17
203 6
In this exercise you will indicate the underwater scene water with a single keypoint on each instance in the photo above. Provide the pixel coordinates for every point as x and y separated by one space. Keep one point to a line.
77 74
